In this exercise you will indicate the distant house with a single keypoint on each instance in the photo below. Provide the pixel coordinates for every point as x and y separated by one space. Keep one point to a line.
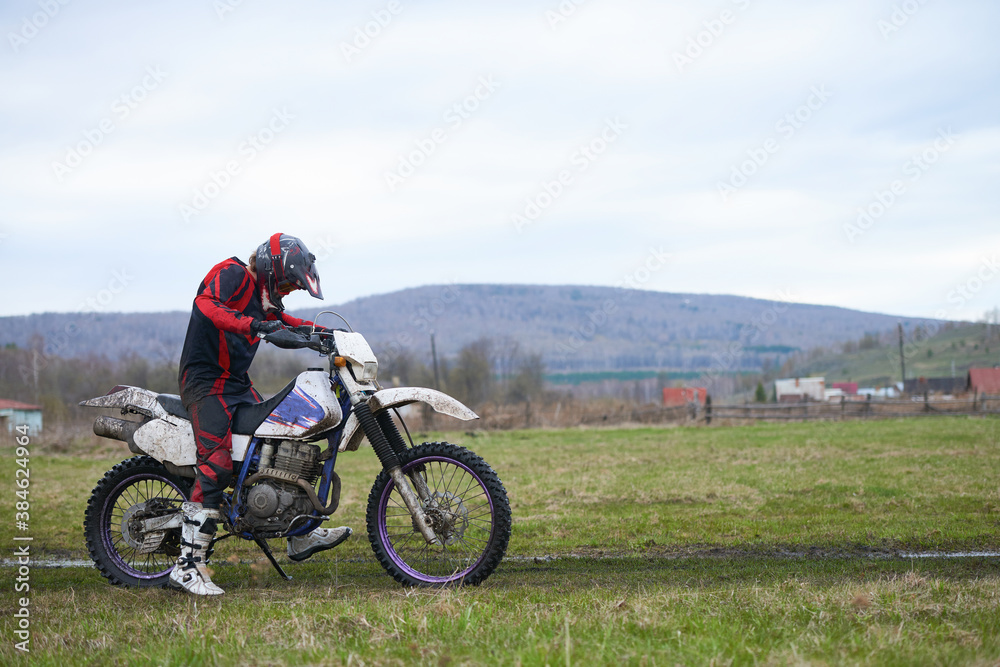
922 385
673 396
892 391
846 388
984 381
795 390
16 413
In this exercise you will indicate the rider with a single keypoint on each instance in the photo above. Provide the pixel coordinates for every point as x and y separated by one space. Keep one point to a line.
236 306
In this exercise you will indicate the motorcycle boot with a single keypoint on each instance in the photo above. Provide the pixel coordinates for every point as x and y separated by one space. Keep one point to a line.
300 548
190 573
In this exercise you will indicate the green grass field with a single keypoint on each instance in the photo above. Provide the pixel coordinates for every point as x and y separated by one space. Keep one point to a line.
768 544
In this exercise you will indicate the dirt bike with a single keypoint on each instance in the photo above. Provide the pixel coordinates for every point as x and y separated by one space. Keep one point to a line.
437 513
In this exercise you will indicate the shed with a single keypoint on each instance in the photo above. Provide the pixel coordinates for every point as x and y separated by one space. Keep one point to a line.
848 388
834 394
16 413
984 381
673 396
924 385
800 389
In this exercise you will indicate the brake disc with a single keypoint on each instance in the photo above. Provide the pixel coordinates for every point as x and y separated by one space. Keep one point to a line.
131 533
131 527
448 517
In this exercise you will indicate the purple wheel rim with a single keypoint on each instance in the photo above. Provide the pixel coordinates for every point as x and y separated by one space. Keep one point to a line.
110 503
390 548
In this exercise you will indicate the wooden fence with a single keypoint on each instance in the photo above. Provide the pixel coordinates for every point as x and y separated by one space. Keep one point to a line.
849 409
613 413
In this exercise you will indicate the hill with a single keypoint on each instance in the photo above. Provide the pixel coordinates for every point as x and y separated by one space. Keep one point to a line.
948 351
574 328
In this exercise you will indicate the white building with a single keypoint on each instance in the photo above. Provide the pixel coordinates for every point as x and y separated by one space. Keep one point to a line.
794 390
835 394
16 413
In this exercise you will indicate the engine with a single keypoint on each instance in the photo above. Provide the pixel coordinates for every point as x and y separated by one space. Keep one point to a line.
276 498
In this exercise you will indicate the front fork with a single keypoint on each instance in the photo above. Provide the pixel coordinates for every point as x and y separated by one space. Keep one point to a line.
398 445
388 444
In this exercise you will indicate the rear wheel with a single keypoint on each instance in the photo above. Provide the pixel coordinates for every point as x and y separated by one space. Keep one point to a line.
468 510
132 491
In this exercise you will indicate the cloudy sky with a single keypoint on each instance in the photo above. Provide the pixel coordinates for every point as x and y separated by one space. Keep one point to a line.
837 152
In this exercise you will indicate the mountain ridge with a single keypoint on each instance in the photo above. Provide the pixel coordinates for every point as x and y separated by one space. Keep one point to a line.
573 327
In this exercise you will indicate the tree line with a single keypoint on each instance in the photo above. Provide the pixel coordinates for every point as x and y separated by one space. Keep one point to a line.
486 370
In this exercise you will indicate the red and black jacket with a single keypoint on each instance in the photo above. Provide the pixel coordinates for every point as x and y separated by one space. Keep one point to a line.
219 345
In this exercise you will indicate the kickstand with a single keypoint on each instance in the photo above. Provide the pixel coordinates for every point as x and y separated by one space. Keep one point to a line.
211 545
267 552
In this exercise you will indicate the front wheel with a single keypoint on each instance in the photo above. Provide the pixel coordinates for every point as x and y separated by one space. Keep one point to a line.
468 510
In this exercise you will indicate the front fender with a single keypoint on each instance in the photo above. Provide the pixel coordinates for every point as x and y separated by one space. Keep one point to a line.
399 396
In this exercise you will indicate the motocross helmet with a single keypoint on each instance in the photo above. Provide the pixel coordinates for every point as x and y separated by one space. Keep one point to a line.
285 264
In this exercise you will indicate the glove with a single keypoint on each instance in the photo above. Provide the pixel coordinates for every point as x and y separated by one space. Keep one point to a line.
287 339
263 327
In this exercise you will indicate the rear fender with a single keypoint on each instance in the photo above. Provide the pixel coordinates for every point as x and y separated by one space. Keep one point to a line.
143 401
397 397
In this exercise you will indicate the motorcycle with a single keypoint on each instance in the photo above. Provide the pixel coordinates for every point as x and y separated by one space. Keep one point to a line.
437 513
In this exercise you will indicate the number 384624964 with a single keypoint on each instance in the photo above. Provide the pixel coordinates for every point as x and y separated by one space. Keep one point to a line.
21 474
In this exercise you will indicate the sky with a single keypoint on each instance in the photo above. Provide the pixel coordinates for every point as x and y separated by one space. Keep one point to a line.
828 152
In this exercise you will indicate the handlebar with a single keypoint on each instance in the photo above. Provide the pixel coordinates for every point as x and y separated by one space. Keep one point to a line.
311 337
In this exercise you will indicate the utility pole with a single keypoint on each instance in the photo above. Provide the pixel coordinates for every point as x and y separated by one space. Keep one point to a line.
434 355
34 366
902 359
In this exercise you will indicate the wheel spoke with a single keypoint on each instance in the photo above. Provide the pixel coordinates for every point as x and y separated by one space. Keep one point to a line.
447 485
140 489
461 510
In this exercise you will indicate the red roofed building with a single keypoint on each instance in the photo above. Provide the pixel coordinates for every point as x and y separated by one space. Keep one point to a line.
849 388
16 413
984 381
673 396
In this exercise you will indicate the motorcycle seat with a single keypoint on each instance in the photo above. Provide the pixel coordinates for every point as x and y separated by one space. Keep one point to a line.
172 404
246 418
